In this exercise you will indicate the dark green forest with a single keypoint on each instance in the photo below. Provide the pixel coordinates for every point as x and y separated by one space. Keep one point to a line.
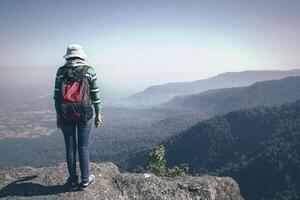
259 148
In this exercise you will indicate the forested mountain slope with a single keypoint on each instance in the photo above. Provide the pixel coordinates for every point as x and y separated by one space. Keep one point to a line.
259 147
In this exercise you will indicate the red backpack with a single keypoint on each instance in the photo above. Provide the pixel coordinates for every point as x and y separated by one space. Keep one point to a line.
75 95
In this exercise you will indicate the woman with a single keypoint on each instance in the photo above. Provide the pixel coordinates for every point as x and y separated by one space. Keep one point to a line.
73 105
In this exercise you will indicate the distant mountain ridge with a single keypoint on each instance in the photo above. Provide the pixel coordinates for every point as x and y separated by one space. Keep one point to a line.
160 93
218 101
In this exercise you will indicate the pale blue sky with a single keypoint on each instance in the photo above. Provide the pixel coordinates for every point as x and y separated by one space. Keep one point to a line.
137 43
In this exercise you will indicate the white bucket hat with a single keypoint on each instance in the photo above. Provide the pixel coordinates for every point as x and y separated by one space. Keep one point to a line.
75 50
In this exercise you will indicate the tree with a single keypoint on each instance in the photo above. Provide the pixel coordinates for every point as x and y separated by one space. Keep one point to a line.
156 163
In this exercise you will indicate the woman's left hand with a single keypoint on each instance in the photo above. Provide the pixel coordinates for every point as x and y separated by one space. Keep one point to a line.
98 120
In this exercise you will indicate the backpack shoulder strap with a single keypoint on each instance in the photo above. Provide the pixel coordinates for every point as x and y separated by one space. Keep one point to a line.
84 70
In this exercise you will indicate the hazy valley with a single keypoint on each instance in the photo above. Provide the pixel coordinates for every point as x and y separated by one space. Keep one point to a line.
29 136
30 115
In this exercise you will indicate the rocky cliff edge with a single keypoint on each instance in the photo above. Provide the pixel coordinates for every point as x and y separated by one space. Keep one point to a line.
110 184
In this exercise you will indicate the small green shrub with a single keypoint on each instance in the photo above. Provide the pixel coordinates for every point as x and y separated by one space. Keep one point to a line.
156 163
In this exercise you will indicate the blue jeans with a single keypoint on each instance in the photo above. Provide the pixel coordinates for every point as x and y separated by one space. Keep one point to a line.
83 135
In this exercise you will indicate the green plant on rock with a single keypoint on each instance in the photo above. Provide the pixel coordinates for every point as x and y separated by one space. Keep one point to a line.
156 163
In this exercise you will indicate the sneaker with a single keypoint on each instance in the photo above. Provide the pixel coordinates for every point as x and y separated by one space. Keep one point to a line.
73 185
84 185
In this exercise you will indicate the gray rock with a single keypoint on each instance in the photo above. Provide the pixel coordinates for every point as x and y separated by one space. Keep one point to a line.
110 184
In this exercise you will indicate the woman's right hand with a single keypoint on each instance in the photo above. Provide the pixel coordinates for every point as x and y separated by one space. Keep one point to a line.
58 120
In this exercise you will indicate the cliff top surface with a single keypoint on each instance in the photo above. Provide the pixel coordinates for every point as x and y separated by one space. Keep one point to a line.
47 183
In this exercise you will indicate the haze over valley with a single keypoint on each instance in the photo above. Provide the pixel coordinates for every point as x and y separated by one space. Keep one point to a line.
30 115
